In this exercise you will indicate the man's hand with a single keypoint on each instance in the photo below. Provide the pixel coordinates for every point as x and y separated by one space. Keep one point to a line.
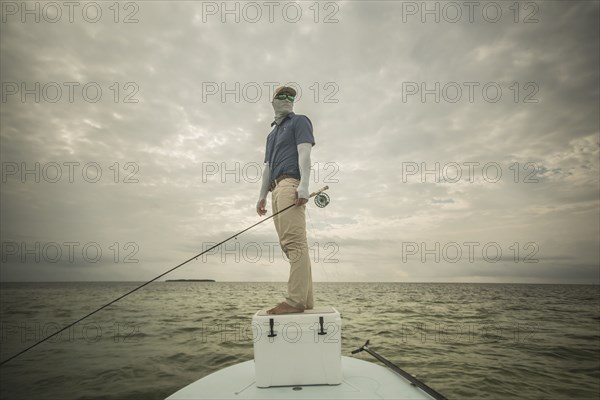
300 200
260 207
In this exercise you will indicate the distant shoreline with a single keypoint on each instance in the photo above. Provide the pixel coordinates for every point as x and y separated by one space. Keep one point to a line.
190 280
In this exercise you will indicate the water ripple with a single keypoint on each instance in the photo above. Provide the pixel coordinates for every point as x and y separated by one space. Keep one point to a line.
466 340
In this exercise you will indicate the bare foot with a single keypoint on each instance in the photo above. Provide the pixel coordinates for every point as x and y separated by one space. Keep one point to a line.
284 308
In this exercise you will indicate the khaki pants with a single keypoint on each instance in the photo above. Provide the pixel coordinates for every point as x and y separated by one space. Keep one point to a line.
291 229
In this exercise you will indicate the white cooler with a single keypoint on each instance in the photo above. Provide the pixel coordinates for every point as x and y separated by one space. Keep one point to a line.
298 349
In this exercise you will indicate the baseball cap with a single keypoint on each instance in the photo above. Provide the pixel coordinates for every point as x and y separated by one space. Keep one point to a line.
285 90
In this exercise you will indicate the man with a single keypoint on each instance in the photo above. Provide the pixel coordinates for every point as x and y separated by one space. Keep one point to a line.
286 174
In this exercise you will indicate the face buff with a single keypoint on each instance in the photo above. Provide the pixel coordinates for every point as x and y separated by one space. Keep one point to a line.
282 108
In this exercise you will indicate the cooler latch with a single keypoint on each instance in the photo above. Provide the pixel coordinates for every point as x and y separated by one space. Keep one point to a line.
271 323
321 330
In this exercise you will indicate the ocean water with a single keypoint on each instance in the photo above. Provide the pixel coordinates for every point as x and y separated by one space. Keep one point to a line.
468 341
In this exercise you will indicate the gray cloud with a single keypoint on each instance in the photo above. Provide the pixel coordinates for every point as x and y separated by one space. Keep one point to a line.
196 156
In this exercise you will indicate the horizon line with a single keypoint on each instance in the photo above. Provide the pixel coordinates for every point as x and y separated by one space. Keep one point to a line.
283 282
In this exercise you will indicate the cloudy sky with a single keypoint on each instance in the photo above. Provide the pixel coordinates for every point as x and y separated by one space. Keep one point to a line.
460 143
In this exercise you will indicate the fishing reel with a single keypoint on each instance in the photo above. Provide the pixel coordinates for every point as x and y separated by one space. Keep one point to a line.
321 199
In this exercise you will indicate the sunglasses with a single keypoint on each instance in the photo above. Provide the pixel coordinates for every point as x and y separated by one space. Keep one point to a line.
285 96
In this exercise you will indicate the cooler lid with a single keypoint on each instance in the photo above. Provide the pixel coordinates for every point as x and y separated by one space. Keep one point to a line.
316 310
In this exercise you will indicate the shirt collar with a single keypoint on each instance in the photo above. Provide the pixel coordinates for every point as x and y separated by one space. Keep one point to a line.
290 115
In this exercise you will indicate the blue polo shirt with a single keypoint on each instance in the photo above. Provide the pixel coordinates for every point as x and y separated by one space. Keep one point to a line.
282 144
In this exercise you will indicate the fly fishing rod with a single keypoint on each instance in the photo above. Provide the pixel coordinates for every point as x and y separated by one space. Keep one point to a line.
413 381
321 200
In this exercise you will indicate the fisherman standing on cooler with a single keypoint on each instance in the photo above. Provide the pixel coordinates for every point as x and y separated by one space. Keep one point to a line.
286 174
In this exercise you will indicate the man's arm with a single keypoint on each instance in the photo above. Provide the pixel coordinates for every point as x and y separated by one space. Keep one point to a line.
264 189
303 133
304 164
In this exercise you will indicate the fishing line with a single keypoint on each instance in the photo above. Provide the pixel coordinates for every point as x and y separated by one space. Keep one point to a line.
318 195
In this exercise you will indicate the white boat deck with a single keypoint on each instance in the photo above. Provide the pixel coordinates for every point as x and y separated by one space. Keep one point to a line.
361 380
